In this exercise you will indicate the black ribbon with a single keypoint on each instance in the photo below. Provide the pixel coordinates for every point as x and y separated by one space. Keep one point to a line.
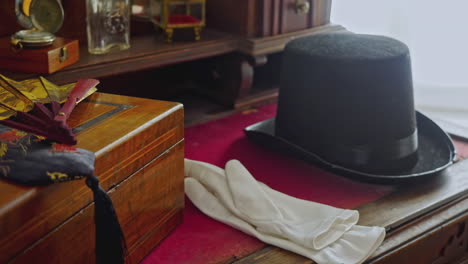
110 241
366 154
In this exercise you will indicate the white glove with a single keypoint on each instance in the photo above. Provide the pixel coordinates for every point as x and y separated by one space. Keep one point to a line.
320 232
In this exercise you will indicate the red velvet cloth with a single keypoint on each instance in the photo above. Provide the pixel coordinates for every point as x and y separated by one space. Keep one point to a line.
180 19
200 239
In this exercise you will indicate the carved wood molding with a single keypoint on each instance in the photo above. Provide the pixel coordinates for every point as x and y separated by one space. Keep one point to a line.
455 245
268 45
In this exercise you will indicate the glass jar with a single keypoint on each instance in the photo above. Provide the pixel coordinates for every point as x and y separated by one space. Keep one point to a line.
108 25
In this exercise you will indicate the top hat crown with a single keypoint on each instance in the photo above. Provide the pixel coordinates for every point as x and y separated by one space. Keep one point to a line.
346 101
358 90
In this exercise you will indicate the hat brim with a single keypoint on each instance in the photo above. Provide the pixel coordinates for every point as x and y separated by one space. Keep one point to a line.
435 152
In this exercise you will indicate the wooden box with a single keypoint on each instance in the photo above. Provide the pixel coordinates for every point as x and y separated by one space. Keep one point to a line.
139 161
262 18
62 53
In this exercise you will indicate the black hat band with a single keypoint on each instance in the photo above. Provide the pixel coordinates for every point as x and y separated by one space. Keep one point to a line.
363 155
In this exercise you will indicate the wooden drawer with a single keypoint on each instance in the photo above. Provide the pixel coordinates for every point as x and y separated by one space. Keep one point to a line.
292 18
262 18
138 145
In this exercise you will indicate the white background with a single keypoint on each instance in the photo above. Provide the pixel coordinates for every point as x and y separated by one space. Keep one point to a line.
437 34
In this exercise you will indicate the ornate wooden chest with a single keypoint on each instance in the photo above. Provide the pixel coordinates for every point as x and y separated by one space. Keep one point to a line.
139 160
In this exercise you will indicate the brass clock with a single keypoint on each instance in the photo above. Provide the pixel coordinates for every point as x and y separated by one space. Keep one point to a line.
41 18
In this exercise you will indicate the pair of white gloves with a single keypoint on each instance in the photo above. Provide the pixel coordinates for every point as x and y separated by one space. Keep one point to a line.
320 232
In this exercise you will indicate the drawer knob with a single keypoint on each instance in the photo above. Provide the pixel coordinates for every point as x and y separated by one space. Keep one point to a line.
302 7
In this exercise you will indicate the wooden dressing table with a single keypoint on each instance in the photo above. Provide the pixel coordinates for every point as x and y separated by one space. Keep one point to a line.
426 222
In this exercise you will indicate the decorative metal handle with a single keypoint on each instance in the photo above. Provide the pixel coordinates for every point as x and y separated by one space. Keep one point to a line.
302 7
16 45
63 54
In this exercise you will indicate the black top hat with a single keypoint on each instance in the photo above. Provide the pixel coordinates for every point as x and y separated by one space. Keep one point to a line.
346 102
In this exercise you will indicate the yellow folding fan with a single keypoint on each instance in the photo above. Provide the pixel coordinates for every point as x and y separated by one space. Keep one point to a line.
34 106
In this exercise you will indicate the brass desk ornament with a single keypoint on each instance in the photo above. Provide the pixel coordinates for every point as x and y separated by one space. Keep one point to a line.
41 18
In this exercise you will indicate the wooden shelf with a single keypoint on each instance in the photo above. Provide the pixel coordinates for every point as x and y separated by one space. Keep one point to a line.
148 51
268 45
233 86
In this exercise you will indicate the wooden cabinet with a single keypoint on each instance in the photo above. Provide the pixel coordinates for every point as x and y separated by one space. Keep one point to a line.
262 18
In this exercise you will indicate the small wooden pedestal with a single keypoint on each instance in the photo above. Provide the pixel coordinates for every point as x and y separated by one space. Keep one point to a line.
139 161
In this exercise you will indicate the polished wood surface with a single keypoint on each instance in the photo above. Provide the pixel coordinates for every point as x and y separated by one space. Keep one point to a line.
125 134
